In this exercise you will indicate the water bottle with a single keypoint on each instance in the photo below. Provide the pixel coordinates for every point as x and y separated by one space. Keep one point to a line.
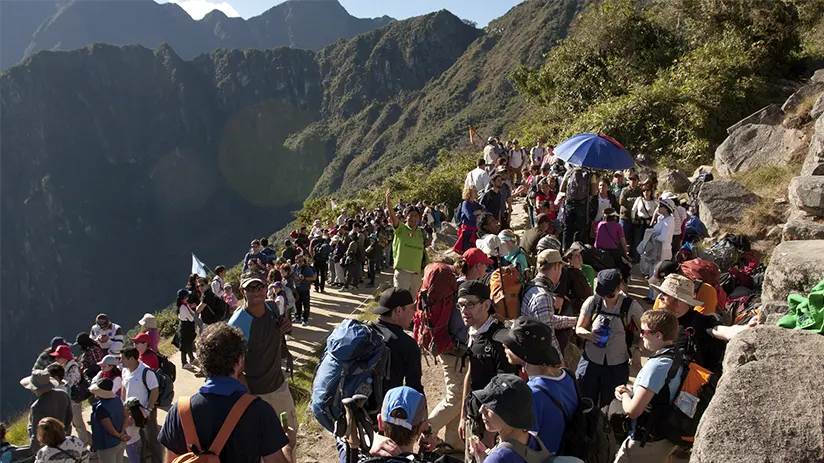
602 334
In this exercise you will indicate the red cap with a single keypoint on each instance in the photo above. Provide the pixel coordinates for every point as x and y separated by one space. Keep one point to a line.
63 352
475 256
142 337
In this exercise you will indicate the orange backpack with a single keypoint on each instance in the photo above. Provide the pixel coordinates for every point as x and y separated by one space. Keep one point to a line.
505 287
193 443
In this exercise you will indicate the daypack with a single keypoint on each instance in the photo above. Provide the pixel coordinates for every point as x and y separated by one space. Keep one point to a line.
212 454
703 271
167 366
506 288
80 391
165 387
355 361
531 262
695 187
598 259
623 315
578 185
436 300
588 434
322 252
216 310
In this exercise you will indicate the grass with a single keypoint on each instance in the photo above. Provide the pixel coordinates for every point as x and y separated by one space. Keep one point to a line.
769 183
16 431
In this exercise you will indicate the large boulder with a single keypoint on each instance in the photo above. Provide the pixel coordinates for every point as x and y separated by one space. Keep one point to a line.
795 267
769 115
675 181
757 145
722 202
767 408
800 228
807 194
814 162
814 88
818 108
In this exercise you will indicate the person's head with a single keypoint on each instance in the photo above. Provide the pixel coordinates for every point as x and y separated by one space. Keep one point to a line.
202 285
148 321
528 341
509 239
285 270
39 382
253 284
608 284
220 271
102 320
676 294
403 415
130 358
662 269
56 342
63 355
543 222
574 257
539 142
227 288
487 223
473 264
544 185
618 178
57 371
481 163
412 217
506 403
255 245
300 259
633 181
141 342
665 207
50 432
551 264
535 170
603 187
474 303
546 169
397 306
182 297
84 341
496 181
221 350
659 328
108 363
610 215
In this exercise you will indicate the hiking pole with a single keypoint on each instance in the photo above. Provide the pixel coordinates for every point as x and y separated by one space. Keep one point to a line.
354 410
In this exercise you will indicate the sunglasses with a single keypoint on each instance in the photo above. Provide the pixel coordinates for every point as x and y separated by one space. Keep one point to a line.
646 332
466 305
255 287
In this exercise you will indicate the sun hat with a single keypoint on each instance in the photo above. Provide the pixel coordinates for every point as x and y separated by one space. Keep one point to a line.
63 352
575 247
410 401
148 321
103 388
529 339
40 381
511 399
679 287
668 204
393 298
108 360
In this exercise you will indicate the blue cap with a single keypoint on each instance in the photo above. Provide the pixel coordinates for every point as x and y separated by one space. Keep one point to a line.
410 401
607 282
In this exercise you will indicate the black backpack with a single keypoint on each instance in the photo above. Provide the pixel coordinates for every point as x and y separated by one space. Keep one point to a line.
167 366
322 252
215 311
165 385
578 185
80 391
588 433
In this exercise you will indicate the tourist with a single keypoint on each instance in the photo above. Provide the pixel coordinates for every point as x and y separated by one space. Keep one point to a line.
603 200
537 153
547 193
373 254
478 177
211 308
492 199
140 382
473 265
267 254
513 254
45 357
395 312
149 326
679 216
91 353
185 329
305 276
618 184
253 257
74 379
706 293
109 369
543 226
320 252
57 445
229 297
663 227
108 422
408 248
468 220
50 403
575 259
626 201
491 152
57 372
147 356
609 236
643 211
108 335
488 241
289 252
517 161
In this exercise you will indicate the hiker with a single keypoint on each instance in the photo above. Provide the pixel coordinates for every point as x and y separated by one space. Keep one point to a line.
219 282
140 382
540 300
289 252
706 294
488 241
7 450
492 199
57 372
486 356
575 194
547 193
211 308
374 251
491 152
517 161
513 254
408 248
108 335
338 250
473 265
575 259
257 434
626 201
302 240
147 356
350 261
56 445
543 226
260 324
478 177
603 200
320 252
110 369
530 188
647 442
395 312
149 326
108 422
229 297
610 237
253 257
525 345
699 335
679 216
50 402
267 254
185 329
91 353
468 220
304 278
642 213
75 381
45 357
663 226
606 319
537 153
618 184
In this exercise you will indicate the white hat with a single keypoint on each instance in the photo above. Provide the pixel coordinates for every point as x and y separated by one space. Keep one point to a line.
148 321
679 287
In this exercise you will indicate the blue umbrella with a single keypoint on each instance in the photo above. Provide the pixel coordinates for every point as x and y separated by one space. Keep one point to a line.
596 151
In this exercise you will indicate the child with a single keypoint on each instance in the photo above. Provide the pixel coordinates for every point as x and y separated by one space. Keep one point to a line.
279 297
229 297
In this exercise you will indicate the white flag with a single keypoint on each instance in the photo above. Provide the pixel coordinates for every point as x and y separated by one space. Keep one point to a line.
334 205
199 267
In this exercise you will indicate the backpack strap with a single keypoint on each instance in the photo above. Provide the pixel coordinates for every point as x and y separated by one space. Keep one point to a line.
231 421
184 410
556 402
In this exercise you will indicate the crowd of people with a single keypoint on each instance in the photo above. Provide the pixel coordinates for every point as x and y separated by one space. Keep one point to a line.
517 364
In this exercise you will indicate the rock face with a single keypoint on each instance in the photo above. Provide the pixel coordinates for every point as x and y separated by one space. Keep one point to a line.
806 193
795 266
801 228
769 115
722 202
813 88
675 181
757 145
814 162
767 408
818 108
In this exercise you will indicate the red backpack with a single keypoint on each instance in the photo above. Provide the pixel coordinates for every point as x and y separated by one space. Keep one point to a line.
704 271
436 299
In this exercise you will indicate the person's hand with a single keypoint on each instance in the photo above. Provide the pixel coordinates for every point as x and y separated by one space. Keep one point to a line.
300 277
124 437
753 322
478 448
620 391
462 429
384 447
388 196
104 338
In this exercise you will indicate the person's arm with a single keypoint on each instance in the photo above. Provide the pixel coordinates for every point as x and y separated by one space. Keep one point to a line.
414 370
393 218
171 456
310 278
582 328
726 333
153 398
109 427
277 457
545 313
634 406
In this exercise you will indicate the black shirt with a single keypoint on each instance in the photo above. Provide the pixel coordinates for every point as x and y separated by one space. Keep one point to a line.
493 202
695 337
405 357
487 358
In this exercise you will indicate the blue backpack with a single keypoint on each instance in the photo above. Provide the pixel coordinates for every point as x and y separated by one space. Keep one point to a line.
355 361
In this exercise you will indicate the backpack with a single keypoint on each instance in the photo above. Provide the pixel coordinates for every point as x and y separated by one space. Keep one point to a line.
80 391
623 315
531 262
588 434
355 361
212 455
598 259
436 300
506 288
322 252
167 366
165 387
578 185
695 187
216 311
703 271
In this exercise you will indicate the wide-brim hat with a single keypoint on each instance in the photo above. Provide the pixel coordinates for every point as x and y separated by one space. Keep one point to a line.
103 389
149 321
39 381
679 287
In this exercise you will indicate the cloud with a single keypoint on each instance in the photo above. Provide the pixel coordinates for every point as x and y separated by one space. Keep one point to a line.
197 9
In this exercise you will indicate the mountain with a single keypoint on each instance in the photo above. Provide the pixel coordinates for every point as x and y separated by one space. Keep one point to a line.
30 26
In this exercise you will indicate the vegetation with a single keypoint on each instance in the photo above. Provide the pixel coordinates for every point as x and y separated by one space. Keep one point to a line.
770 184
16 431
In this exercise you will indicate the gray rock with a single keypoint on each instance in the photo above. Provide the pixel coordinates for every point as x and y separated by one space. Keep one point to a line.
722 202
818 76
767 407
771 311
814 162
802 229
814 88
758 145
807 194
818 108
675 181
447 228
768 115
795 267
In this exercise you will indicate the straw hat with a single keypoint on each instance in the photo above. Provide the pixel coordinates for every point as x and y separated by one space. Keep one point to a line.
679 287
148 321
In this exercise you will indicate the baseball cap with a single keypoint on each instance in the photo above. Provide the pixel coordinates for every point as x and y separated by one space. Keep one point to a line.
549 256
607 282
63 352
476 256
510 398
410 401
662 269
58 341
142 337
393 298
530 340
183 293
108 360
251 276
474 288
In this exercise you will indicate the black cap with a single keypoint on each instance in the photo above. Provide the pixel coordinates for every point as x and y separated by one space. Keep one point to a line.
83 340
607 282
393 298
530 340
510 398
474 288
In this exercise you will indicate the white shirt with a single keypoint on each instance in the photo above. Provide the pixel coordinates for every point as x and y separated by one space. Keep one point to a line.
644 208
115 340
537 153
517 158
217 286
603 204
478 178
665 227
133 383
491 155
679 215
185 314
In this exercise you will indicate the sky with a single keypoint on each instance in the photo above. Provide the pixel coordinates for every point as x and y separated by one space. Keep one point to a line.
479 11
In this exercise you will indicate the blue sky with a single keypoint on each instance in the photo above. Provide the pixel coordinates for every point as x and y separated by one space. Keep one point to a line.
480 11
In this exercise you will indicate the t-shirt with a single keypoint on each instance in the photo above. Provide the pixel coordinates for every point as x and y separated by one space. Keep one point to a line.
653 375
537 154
405 357
408 248
608 235
477 178
501 454
303 286
102 409
589 273
150 359
549 421
257 434
615 352
603 204
493 202
263 349
133 382
468 216
517 158
491 155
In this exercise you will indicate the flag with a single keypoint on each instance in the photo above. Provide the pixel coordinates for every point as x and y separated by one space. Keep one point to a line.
472 135
334 205
199 267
